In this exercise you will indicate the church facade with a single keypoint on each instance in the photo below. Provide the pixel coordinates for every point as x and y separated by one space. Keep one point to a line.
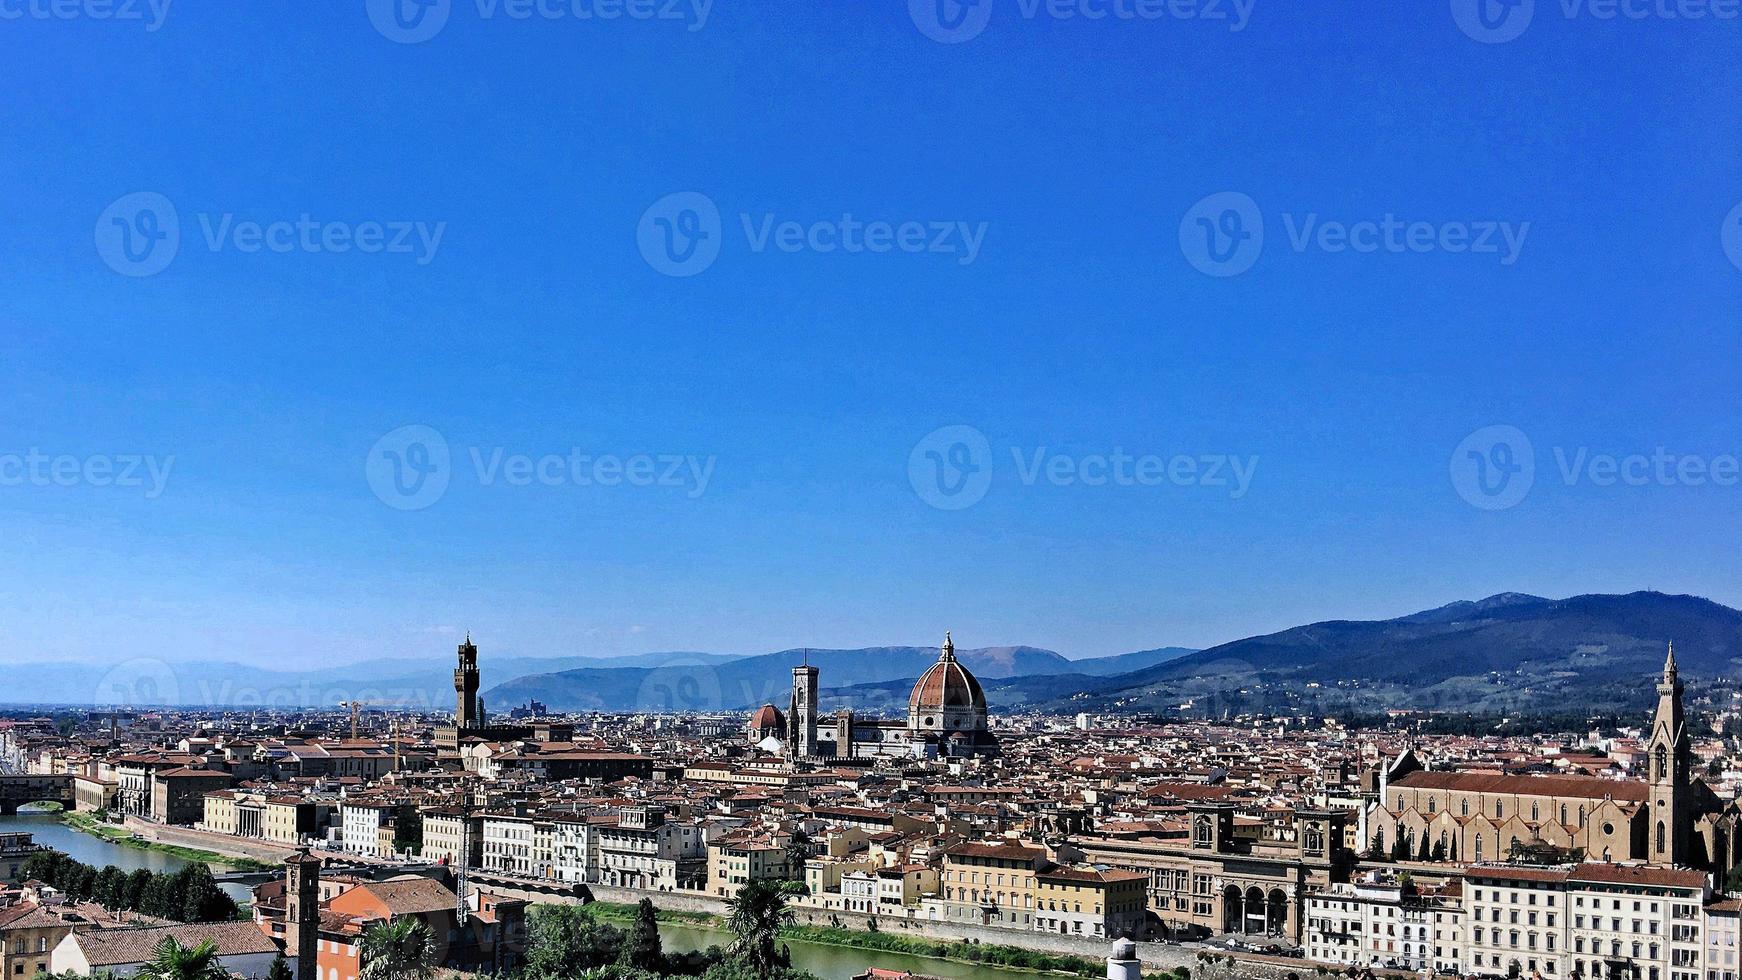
946 718
1669 819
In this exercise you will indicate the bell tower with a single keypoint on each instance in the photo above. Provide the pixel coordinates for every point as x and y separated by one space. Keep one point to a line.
802 719
1669 756
466 708
302 915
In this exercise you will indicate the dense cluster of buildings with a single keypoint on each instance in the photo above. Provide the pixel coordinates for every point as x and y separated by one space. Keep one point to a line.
1603 855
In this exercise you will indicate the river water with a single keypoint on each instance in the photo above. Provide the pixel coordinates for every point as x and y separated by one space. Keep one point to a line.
841 963
97 852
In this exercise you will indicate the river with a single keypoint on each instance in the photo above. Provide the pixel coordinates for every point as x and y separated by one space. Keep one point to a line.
97 852
840 962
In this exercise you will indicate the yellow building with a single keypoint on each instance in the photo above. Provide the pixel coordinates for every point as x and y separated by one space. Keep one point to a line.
740 858
1089 902
990 884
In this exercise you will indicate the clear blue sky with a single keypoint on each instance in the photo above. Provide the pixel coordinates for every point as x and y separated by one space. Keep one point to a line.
1081 325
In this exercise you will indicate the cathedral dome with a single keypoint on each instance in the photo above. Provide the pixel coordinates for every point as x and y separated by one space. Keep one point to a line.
768 719
947 686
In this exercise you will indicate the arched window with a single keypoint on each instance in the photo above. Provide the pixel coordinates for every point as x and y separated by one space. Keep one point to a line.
1660 836
1662 763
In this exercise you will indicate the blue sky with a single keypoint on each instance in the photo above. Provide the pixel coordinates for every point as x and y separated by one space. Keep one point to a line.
1074 154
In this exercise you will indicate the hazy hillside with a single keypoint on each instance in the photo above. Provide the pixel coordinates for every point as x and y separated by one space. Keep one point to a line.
424 682
752 681
1507 652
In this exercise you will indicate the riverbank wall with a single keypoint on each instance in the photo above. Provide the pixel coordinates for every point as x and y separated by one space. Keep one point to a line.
269 852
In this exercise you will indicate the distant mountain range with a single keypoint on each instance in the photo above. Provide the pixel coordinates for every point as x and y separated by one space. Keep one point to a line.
1507 653
678 685
651 681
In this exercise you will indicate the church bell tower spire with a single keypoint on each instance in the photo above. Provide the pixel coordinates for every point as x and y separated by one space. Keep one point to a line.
1670 755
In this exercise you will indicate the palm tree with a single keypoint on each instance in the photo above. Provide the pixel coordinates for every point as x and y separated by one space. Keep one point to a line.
403 949
758 913
170 960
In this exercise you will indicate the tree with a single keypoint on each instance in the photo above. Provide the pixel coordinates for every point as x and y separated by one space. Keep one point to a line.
170 960
408 830
757 914
403 949
1376 846
111 888
200 897
1424 853
136 884
798 851
562 939
643 950
280 969
1400 847
1439 851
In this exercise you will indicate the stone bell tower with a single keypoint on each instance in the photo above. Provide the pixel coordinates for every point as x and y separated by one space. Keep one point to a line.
1670 758
302 912
802 719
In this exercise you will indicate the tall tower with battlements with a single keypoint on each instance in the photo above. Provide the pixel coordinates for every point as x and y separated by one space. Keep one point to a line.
466 709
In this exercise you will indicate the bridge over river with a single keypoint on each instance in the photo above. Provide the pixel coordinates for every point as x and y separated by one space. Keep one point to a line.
19 790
